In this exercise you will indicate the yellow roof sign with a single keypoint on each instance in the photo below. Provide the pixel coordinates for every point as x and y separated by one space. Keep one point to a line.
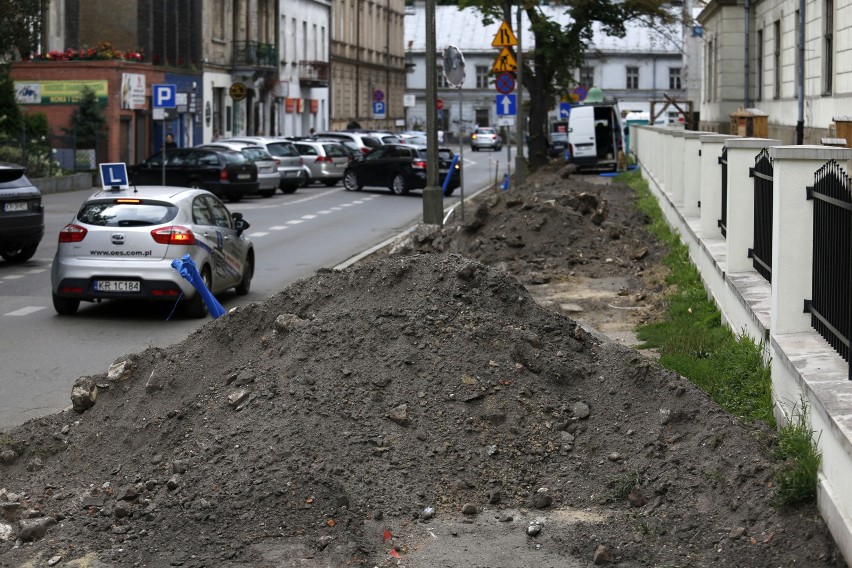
505 62
504 37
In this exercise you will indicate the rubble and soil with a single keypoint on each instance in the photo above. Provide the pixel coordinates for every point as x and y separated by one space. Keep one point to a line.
421 409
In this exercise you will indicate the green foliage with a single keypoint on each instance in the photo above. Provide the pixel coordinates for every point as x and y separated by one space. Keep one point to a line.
21 26
10 114
87 122
797 448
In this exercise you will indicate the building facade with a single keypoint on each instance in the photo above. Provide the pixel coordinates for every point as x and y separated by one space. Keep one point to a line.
367 63
761 65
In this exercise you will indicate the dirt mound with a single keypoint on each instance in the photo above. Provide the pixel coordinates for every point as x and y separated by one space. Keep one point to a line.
418 410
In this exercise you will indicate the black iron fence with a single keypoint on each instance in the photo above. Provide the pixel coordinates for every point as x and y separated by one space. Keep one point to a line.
723 222
831 304
761 254
47 156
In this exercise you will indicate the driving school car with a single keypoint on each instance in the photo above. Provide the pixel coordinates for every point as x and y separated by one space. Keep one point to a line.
122 241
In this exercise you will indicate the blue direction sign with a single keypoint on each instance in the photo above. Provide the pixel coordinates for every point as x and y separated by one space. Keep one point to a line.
378 109
114 175
564 110
507 105
164 95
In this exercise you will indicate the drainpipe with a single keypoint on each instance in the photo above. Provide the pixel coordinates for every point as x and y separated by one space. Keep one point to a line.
747 58
800 76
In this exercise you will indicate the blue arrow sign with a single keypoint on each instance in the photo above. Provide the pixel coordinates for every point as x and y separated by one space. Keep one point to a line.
114 175
564 110
164 95
507 105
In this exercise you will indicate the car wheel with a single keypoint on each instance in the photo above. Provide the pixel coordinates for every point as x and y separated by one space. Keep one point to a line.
289 189
304 180
398 185
195 184
20 253
331 182
196 308
65 306
267 193
235 198
350 182
244 286
473 148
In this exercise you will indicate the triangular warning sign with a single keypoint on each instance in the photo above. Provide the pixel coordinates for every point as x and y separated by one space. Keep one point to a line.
505 62
504 37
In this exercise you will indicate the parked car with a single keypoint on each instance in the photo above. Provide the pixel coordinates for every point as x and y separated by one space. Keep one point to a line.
325 160
268 178
121 243
363 140
225 173
384 137
399 167
349 146
290 163
21 214
485 137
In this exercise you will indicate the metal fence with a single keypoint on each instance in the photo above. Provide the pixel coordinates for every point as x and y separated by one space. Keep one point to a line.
831 303
723 222
761 254
52 155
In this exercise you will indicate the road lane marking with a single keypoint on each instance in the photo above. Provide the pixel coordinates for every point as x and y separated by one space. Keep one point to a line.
308 217
259 234
278 228
25 311
13 276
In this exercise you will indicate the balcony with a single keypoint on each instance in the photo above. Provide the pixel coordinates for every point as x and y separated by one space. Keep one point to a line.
313 73
255 54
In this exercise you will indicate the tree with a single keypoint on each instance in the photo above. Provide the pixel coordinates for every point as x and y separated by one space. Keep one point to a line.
21 27
87 122
560 49
10 114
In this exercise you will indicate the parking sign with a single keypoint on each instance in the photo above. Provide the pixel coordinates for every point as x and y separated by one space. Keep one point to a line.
164 95
378 109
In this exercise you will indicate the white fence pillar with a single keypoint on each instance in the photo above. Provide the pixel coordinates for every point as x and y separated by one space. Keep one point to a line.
677 154
691 173
711 184
740 210
792 231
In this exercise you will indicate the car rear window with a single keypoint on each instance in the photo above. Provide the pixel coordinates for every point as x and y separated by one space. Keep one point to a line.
235 158
391 140
257 154
370 142
112 214
278 149
13 177
335 150
306 149
443 153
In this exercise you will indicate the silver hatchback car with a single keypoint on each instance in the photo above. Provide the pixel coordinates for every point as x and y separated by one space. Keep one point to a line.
290 163
268 178
121 244
325 160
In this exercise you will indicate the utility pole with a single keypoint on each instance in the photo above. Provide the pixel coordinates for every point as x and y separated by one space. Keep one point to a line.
520 163
433 198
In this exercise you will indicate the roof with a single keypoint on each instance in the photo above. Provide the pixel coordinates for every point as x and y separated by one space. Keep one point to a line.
465 30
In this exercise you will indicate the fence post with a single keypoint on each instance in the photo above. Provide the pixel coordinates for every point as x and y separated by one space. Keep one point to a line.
677 155
740 215
691 173
792 232
711 184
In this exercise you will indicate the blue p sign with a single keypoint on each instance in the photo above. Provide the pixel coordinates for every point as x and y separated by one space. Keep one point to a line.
164 95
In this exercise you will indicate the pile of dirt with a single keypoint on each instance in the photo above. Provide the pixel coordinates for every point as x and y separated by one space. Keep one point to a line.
419 410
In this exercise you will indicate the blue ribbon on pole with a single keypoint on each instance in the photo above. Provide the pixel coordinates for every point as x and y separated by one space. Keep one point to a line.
450 174
186 267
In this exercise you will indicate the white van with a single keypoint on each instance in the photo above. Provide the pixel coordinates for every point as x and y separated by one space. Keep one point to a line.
595 136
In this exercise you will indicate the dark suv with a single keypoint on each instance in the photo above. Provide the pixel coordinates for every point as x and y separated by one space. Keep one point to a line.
228 174
21 214
401 168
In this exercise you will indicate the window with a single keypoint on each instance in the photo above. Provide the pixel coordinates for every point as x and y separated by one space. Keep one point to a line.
219 19
828 48
674 79
632 77
587 76
776 56
482 76
442 81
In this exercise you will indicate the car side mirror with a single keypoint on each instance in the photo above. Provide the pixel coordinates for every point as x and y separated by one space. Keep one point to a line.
240 224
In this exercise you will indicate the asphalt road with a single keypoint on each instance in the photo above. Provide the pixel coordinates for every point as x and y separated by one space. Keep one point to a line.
42 354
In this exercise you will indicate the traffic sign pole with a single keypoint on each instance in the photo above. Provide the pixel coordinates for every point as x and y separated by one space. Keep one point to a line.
520 164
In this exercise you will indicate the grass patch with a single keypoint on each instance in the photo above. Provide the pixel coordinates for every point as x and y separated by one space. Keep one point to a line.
692 341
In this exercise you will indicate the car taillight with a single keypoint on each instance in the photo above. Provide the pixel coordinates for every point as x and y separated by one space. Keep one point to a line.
223 175
174 235
72 234
419 164
277 162
324 159
365 150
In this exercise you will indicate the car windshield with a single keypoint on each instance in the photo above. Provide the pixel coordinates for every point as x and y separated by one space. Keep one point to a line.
281 149
113 214
235 158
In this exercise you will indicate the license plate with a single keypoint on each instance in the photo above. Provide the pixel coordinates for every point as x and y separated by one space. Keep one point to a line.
243 176
291 174
117 285
15 206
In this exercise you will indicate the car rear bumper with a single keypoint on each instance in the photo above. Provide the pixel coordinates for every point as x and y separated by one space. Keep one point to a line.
16 229
75 278
232 189
268 181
